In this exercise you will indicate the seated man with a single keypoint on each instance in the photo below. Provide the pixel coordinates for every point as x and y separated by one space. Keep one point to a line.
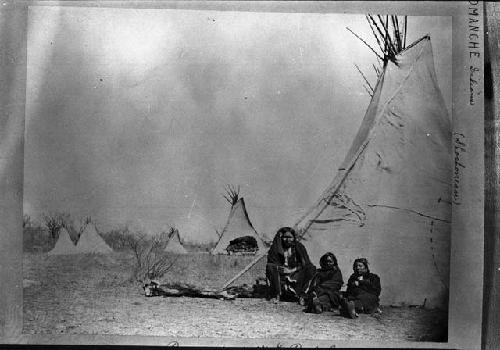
324 290
363 290
288 267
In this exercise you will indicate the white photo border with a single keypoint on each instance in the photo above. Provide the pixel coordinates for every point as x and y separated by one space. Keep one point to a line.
467 252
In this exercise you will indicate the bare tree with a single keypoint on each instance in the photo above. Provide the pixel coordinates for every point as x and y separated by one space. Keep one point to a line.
151 261
54 223
66 220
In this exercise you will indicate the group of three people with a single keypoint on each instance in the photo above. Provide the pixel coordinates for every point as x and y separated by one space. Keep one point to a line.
290 272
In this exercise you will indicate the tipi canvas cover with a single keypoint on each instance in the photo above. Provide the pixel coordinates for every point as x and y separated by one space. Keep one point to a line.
64 244
238 225
391 199
91 242
174 245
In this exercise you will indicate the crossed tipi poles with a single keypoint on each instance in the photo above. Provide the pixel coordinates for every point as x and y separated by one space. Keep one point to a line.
174 244
238 223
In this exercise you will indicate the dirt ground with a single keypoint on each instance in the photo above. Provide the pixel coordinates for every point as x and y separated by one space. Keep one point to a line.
92 294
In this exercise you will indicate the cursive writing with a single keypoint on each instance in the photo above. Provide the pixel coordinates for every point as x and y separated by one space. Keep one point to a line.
472 84
459 149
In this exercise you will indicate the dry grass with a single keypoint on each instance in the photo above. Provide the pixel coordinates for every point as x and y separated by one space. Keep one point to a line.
88 294
207 271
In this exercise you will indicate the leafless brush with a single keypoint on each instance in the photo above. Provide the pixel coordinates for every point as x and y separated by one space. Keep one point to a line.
151 262
53 222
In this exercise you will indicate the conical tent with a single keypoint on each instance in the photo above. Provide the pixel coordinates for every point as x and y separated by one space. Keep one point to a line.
238 225
174 244
91 242
64 244
390 201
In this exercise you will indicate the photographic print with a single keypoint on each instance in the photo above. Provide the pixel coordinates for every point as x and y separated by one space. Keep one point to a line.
266 175
165 149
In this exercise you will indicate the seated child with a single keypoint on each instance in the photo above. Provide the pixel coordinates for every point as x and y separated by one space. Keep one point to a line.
363 290
324 290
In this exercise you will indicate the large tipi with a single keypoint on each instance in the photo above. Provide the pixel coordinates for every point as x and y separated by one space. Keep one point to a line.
391 199
64 244
174 244
238 225
91 242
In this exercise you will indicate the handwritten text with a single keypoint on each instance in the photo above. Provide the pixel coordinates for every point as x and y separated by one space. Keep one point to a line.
460 148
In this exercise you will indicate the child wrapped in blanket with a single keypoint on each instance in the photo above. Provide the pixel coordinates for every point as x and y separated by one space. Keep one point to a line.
324 290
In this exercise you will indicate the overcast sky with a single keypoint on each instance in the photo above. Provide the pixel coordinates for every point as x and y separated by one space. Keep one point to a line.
143 116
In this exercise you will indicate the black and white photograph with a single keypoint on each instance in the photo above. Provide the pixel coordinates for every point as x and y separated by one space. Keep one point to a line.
235 175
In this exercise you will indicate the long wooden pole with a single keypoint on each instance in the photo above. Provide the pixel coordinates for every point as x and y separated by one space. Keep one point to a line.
364 77
404 42
368 19
248 267
364 42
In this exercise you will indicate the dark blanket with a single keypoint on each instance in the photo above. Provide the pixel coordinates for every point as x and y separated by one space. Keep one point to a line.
276 254
325 289
245 241
243 244
296 282
327 282
366 294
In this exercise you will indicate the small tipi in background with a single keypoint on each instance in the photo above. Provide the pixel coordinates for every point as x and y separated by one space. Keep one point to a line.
238 225
91 242
64 244
174 244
